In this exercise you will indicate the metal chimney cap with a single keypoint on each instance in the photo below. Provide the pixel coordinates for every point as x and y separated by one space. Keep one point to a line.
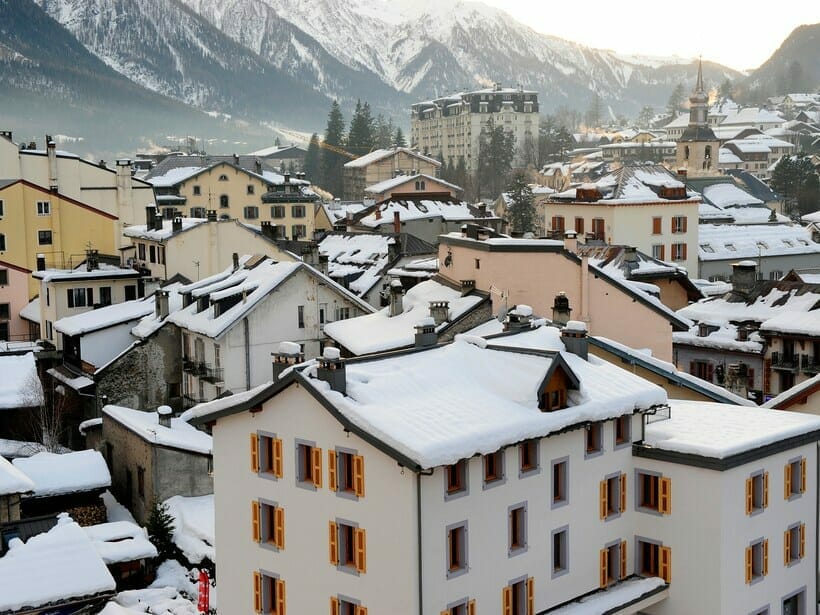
165 411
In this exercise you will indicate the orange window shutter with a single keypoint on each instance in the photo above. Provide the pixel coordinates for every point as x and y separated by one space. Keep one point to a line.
361 610
255 530
277 457
663 252
279 527
360 543
316 453
685 223
666 564
623 493
803 475
280 597
787 547
604 572
765 489
332 538
765 557
331 470
666 496
358 475
506 601
254 453
334 605
445 612
748 564
749 496
787 481
603 498
531 596
257 592
471 607
623 560
802 548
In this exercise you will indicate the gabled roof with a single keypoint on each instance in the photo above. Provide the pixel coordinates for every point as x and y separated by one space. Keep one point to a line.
73 472
421 206
180 435
633 184
174 170
381 154
400 180
795 395
19 383
63 197
141 231
105 317
750 241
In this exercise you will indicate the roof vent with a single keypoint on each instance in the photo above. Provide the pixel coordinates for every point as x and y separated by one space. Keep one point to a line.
287 355
164 414
439 311
518 319
426 332
574 336
332 370
561 310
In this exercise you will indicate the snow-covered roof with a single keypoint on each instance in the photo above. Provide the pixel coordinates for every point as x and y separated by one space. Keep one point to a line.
381 154
66 275
634 184
174 176
752 116
400 180
421 209
795 391
727 194
496 392
19 385
120 541
193 526
55 474
32 310
146 425
75 382
362 256
108 316
739 241
805 323
142 231
723 338
613 598
12 479
721 430
812 217
379 331
151 323
52 567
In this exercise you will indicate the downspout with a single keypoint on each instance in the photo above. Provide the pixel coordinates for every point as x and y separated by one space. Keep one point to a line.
585 289
246 331
816 521
418 546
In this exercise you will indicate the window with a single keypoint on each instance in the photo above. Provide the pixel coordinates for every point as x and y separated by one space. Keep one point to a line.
49 330
198 212
141 251
678 251
105 295
623 430
197 191
152 254
612 496
340 606
730 246
493 468
658 251
598 229
420 185
322 313
794 478
224 202
456 549
297 211
679 224
794 604
654 492
794 544
2 242
560 484
654 560
527 457
5 311
757 492
141 482
223 178
517 529
43 208
268 594
2 208
266 455
757 560
518 598
477 262
594 440
613 563
560 551
297 231
130 292
347 546
558 224
345 472
268 523
161 255
44 238
657 225
251 212
308 465
300 316
277 211
250 189
464 607
455 476
579 226
80 297
342 313
4 277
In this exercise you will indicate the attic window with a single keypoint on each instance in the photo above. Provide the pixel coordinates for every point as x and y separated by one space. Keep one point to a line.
554 393
676 192
706 247
762 245
223 178
787 242
730 247
803 242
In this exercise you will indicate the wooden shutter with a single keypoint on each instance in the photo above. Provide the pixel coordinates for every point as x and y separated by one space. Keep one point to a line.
765 489
767 375
802 546
579 226
663 252
787 547
332 543
331 470
656 226
531 596
358 475
280 597
257 592
506 601
623 493
748 564
765 557
684 223
277 457
279 527
604 568
803 475
316 454
749 495
360 545
361 610
787 481
666 564
255 530
334 605
710 369
683 248
666 496
623 560
603 499
254 453
471 607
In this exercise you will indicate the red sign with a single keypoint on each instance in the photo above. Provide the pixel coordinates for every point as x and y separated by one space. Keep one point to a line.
203 606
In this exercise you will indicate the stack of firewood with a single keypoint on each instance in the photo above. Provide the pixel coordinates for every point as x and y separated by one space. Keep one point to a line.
89 515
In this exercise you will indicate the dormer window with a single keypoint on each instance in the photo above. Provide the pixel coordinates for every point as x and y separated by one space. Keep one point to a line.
223 178
555 387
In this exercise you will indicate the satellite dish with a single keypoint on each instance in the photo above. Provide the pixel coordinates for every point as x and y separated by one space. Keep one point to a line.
502 313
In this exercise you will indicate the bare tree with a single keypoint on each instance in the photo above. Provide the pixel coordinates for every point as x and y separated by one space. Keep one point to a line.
46 420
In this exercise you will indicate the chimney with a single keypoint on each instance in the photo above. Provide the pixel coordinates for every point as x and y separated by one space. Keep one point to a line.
426 333
518 319
323 260
744 276
482 210
396 298
560 309
51 151
630 260
235 257
5 134
396 222
211 215
176 224
331 369
161 304
125 192
574 336
41 262
440 311
287 178
92 260
571 241
470 231
467 286
164 414
158 221
258 166
287 355
236 159
268 230
150 214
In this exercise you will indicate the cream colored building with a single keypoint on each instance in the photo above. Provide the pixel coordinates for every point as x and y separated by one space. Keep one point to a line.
449 128
412 186
383 165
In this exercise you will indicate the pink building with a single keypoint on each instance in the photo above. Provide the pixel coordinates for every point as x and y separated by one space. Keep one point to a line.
13 298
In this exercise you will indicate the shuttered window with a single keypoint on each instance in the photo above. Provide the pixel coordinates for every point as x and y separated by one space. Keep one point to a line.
757 560
308 464
656 226
612 492
268 524
757 492
519 598
340 606
794 478
794 543
347 546
268 594
345 471
269 455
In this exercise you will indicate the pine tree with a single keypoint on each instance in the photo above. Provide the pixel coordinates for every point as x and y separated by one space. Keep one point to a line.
360 138
594 113
675 101
383 132
495 155
160 528
312 164
399 140
521 212
332 162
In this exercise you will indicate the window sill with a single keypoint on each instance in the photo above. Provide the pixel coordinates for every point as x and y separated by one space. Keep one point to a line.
517 550
493 483
457 572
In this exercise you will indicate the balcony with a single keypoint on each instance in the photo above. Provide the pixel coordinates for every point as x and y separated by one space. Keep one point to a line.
809 364
785 362
189 365
210 374
189 400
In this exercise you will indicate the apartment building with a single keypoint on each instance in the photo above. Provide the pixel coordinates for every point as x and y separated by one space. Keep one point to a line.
383 165
449 128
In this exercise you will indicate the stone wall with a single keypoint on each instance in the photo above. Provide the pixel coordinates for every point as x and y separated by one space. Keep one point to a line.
125 452
481 314
181 473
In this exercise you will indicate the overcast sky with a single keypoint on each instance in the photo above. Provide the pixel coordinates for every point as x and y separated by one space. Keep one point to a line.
741 35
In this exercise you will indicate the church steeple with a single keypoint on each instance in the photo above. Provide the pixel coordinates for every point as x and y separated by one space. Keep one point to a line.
699 101
698 146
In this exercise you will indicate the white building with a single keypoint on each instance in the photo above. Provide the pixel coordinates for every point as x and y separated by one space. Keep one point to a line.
499 476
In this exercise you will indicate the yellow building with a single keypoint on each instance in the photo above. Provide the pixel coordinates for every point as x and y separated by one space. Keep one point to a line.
36 221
